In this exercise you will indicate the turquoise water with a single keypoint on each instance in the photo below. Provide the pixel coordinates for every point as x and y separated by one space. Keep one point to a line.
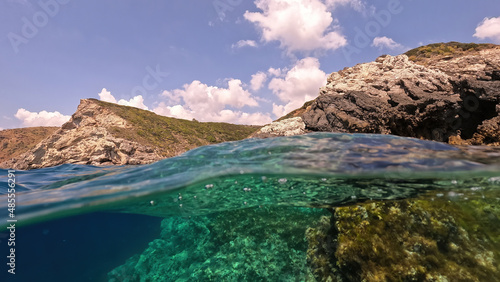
239 211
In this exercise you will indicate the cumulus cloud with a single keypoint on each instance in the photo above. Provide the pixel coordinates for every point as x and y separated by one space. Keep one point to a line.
299 25
275 72
137 101
300 84
42 118
357 5
243 43
489 28
258 80
209 103
386 42
106 96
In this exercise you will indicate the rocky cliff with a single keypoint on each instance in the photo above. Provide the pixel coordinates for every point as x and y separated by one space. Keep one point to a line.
85 139
446 92
101 133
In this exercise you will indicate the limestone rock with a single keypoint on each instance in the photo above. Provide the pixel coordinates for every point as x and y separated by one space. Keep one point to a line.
393 95
86 139
286 127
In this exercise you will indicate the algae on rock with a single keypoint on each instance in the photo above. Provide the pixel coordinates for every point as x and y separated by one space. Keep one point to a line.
408 240
261 244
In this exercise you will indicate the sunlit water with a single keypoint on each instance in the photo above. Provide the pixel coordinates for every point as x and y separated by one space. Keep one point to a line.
79 223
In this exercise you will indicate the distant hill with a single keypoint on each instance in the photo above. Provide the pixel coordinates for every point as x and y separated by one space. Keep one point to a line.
101 133
14 142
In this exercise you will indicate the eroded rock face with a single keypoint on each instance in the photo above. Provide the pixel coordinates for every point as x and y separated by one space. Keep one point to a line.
457 98
85 139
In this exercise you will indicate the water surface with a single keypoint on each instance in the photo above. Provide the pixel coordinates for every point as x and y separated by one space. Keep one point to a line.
266 185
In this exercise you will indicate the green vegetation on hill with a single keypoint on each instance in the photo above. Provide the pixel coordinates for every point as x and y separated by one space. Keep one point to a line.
172 135
14 142
298 112
450 50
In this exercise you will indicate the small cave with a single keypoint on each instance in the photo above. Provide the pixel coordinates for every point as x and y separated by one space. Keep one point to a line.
472 114
473 110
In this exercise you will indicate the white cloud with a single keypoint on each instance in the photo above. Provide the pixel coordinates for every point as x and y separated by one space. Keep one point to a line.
243 43
42 118
258 80
208 103
137 101
299 25
300 85
386 42
106 96
173 97
489 28
275 72
357 5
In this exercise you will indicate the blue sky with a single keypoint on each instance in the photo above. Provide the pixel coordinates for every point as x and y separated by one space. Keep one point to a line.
219 60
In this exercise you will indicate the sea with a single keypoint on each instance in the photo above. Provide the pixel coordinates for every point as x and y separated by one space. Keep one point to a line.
240 211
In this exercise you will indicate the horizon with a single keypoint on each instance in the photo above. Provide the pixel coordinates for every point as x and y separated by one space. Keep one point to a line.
244 62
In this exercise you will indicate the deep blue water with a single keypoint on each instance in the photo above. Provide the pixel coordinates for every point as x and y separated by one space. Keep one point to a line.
79 248
77 223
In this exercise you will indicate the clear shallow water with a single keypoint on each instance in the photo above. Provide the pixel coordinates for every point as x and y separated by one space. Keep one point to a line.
297 176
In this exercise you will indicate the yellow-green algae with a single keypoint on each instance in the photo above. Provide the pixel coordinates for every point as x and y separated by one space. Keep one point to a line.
408 240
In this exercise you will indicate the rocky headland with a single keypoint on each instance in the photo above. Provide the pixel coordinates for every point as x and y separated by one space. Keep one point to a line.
101 133
443 92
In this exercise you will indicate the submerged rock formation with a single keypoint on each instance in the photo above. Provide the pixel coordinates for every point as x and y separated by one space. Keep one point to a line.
408 240
260 244
450 98
86 139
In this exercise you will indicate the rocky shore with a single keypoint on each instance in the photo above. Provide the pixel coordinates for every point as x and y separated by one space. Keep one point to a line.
85 139
454 98
101 133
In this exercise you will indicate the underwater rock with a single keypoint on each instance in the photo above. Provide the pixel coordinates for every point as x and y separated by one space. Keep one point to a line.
408 240
261 244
